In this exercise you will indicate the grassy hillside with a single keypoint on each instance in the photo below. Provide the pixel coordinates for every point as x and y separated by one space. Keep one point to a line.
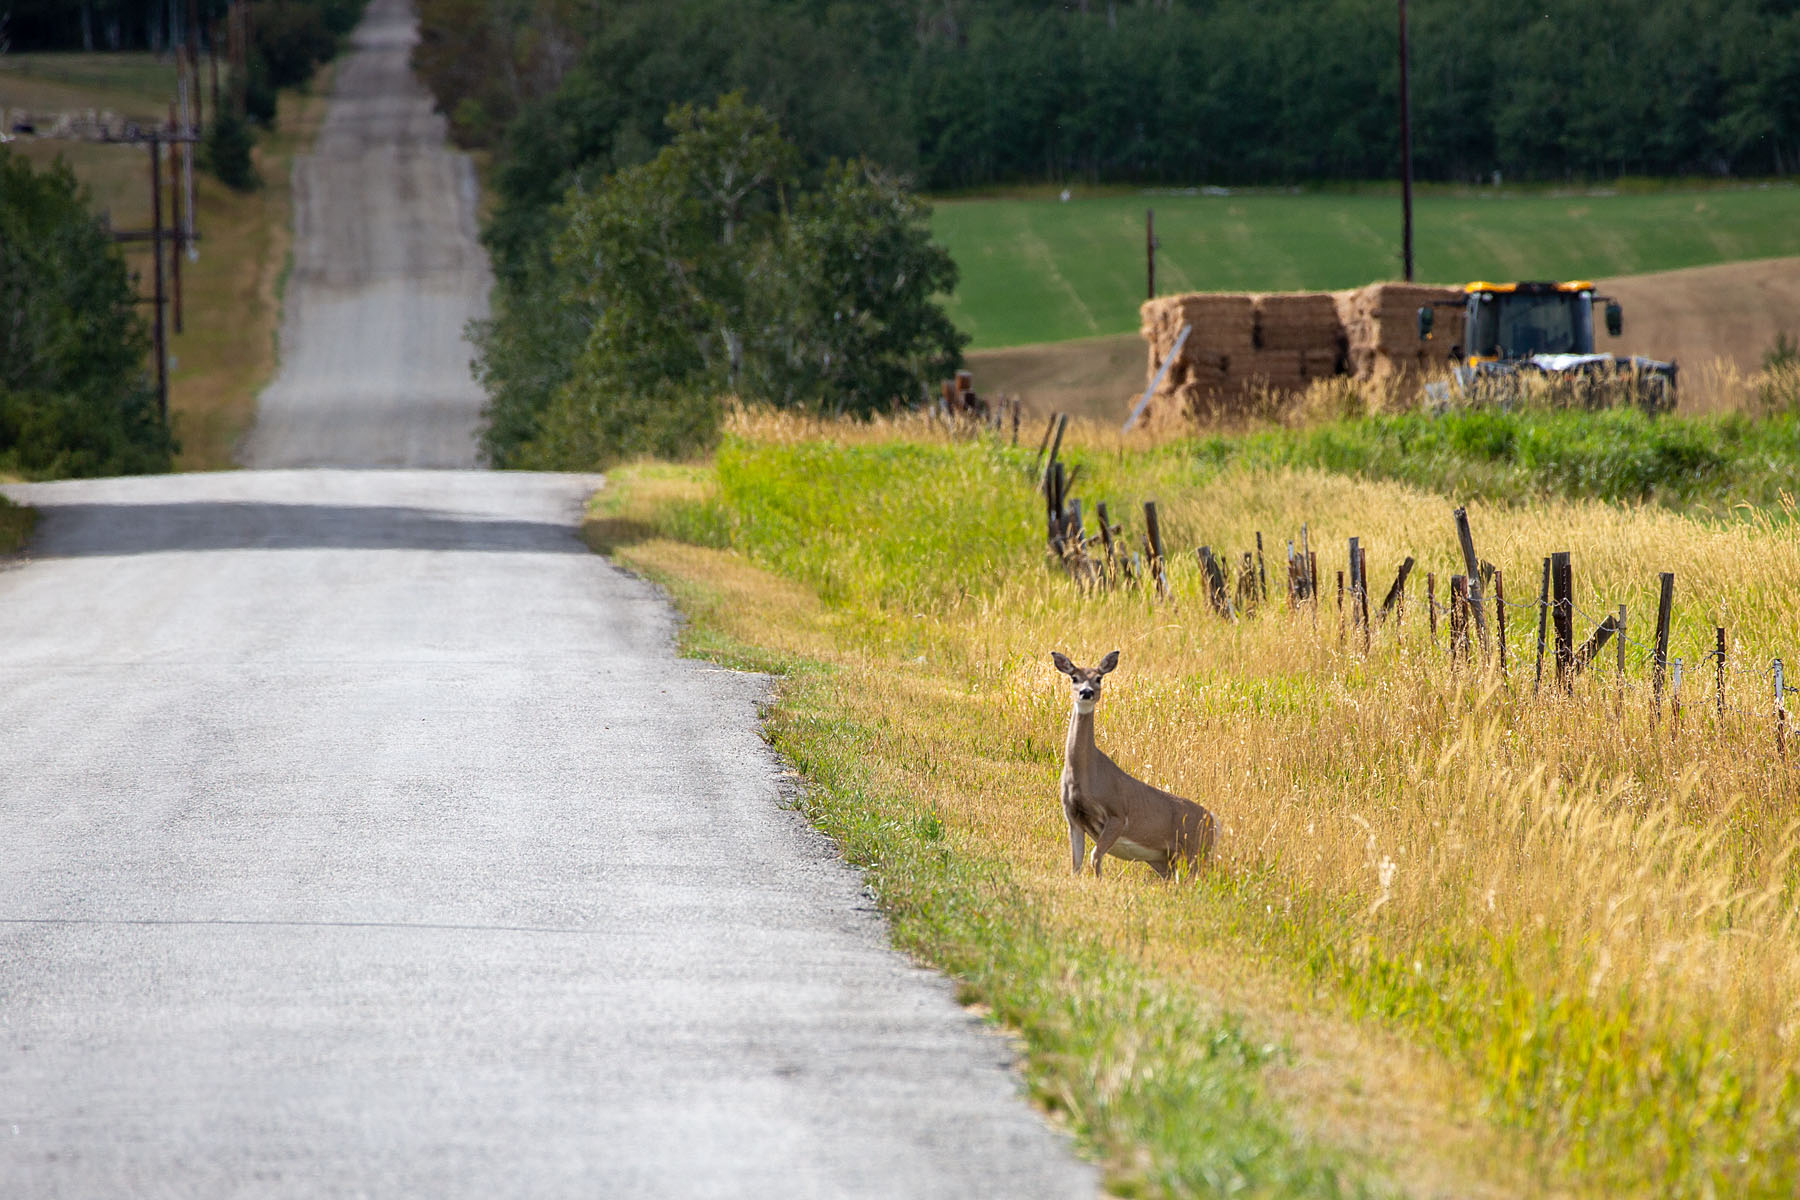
1461 935
1035 269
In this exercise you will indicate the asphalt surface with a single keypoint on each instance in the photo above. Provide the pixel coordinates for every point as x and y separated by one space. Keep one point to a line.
387 271
363 835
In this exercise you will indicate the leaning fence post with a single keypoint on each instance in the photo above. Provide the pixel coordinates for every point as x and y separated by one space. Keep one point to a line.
1665 600
1562 616
1395 601
1473 566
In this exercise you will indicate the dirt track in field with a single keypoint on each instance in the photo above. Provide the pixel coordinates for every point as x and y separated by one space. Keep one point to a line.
1699 317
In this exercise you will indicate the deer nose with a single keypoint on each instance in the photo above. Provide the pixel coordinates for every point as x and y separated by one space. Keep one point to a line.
1087 693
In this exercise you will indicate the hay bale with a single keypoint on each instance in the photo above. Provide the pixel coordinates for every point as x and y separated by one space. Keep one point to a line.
1381 332
1304 321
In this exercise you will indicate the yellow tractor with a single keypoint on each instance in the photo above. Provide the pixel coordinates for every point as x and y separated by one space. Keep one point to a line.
1540 336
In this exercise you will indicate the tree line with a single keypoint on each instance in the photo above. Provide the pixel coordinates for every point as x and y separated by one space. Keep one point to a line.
965 93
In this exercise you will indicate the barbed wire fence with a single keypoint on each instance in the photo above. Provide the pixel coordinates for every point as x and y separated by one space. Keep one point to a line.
1101 558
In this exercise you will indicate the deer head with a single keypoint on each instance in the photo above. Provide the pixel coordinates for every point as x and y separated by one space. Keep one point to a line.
1085 681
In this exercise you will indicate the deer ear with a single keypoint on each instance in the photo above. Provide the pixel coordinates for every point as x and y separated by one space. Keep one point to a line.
1108 663
1062 663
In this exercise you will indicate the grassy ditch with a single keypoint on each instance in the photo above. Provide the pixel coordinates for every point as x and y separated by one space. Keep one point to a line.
16 524
1500 938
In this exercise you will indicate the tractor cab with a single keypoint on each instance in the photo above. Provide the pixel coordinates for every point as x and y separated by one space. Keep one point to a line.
1512 321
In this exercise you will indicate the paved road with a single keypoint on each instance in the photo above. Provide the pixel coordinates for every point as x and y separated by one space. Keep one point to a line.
363 836
387 271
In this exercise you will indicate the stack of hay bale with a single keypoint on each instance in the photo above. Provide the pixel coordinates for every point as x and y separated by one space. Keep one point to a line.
1243 345
1381 329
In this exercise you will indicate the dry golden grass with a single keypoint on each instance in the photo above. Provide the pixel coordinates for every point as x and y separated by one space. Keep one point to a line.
1580 920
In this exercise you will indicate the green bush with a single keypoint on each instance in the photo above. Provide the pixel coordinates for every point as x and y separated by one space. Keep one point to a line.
293 38
227 151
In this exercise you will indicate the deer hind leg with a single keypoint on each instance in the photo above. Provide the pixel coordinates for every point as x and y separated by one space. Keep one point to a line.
1077 844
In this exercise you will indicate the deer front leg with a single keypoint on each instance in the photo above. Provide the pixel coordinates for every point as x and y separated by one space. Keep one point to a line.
1077 843
1103 841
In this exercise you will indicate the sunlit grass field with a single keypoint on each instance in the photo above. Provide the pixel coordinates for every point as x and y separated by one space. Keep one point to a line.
1476 936
1036 269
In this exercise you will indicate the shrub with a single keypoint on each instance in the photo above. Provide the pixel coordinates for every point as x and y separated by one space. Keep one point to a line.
227 150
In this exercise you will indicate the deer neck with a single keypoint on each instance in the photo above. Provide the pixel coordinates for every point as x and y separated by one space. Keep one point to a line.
1079 750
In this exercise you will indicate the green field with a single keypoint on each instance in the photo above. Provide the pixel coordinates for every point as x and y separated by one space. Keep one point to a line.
1037 269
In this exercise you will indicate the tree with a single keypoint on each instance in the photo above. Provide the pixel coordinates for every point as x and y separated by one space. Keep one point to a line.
714 270
74 399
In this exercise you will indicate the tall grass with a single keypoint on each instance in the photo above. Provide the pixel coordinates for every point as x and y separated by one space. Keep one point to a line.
1589 914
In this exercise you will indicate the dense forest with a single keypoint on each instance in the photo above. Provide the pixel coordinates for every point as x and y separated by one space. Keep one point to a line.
963 93
151 24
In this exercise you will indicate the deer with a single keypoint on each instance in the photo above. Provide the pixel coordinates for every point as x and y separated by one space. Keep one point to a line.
1126 817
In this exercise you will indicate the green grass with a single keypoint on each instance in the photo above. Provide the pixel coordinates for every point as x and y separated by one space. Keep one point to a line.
16 523
1035 269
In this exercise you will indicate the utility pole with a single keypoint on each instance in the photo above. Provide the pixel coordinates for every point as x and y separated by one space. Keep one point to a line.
1150 249
158 299
1406 168
175 226
193 58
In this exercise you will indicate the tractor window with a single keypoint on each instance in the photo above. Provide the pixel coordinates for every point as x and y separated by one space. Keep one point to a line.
1517 326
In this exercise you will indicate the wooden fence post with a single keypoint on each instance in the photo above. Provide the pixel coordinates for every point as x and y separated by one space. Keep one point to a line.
1562 615
1431 602
1395 601
1459 617
1262 576
1106 540
1362 594
1719 652
1473 566
1154 531
1665 601
1215 581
